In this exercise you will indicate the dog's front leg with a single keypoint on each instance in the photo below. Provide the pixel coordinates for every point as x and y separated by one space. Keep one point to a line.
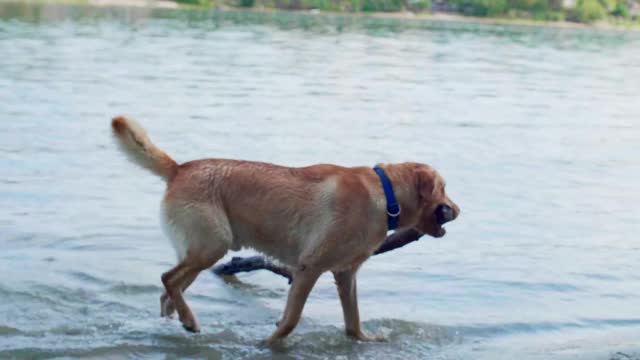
346 284
303 281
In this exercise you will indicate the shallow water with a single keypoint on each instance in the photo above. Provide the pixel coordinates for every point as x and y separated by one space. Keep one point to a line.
535 130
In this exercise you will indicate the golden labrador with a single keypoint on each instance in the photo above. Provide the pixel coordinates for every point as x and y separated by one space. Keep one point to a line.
312 219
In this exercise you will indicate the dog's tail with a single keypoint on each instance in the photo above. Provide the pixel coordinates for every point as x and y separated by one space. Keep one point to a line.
135 143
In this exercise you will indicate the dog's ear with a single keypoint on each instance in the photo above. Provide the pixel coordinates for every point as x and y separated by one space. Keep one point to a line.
426 183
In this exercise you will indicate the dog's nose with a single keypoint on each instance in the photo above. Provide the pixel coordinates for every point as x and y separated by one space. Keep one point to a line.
444 214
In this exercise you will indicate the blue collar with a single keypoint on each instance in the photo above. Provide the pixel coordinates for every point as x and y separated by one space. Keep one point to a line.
393 209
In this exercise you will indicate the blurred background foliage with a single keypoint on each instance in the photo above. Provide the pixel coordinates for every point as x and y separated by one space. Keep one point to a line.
584 11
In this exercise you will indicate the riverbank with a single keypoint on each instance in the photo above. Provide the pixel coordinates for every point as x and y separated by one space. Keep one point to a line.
604 24
610 23
617 12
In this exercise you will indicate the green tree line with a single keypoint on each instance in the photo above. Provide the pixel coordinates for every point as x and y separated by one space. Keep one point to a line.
585 11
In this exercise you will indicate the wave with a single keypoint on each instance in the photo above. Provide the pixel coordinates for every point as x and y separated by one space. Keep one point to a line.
149 338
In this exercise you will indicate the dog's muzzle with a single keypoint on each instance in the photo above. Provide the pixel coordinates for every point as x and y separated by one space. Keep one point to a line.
444 214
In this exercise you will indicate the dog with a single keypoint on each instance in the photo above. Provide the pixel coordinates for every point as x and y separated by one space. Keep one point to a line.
312 219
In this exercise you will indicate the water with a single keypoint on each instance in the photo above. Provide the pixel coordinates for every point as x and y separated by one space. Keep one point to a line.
535 130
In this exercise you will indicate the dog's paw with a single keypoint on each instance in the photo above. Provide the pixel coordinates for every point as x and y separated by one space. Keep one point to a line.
191 326
375 338
361 336
273 343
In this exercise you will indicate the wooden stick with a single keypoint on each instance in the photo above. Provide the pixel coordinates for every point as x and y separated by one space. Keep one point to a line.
239 264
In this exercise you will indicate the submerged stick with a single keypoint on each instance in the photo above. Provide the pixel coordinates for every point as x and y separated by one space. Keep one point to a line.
239 264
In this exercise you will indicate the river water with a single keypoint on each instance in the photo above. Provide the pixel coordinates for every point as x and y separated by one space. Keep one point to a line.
536 131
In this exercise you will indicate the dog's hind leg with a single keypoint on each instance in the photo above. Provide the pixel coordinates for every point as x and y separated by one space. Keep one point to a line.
205 236
171 281
167 307
179 278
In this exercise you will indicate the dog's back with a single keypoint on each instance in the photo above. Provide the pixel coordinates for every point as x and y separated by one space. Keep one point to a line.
277 210
213 205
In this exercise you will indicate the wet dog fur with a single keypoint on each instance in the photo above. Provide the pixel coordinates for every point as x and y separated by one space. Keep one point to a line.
312 219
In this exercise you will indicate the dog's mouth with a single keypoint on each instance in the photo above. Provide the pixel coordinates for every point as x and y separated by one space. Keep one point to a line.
433 229
442 215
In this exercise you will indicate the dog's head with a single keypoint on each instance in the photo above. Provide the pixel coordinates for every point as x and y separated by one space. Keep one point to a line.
434 206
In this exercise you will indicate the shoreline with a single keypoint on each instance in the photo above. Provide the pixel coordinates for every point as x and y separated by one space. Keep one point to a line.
453 17
398 15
